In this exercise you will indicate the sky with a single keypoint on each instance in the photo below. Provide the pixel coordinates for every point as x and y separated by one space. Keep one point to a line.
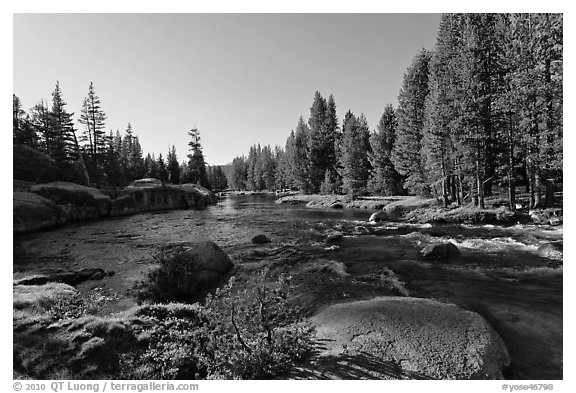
241 79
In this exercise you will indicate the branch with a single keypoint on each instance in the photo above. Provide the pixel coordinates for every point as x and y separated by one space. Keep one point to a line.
238 335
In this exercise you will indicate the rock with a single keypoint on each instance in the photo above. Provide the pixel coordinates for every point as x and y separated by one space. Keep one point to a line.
334 237
70 278
79 202
423 336
187 273
552 250
260 239
336 205
33 212
146 183
378 216
152 195
124 206
440 251
36 297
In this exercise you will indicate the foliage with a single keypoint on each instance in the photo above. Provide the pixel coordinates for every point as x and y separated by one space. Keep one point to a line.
248 333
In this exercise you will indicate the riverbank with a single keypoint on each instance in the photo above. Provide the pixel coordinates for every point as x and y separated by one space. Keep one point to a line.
49 205
427 210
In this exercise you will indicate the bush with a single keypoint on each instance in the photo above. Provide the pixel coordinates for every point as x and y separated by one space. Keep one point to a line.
247 334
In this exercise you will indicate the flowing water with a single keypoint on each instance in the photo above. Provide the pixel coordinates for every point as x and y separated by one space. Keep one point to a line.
499 275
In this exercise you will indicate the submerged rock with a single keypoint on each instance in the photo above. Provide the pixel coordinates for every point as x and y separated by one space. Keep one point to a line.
260 239
440 251
423 336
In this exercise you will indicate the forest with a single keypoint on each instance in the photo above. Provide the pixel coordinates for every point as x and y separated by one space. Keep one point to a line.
47 148
482 109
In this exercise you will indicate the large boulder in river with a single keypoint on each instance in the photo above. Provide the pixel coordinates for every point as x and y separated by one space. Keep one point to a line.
33 212
440 251
186 273
378 217
151 194
260 239
79 202
422 336
552 250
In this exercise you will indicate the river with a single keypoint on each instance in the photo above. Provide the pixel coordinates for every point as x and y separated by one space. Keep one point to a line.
499 275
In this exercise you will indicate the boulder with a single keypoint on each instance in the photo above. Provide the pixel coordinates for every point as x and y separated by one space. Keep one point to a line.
260 239
37 297
152 196
79 202
187 273
32 212
378 216
336 205
440 251
552 250
146 183
422 336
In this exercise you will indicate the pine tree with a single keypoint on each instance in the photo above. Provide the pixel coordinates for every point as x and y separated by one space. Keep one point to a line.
151 165
61 141
23 131
196 163
136 165
40 123
112 167
354 154
94 138
406 154
299 157
162 170
239 173
318 144
384 180
173 166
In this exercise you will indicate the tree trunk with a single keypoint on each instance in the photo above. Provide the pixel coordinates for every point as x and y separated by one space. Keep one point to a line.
480 184
459 191
511 181
537 189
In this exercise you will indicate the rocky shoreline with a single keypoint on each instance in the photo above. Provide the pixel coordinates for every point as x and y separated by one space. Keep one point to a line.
426 210
49 205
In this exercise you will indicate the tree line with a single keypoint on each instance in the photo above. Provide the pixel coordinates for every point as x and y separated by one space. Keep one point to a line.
483 108
96 157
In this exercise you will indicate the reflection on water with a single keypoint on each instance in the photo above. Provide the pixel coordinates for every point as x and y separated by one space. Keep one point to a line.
498 274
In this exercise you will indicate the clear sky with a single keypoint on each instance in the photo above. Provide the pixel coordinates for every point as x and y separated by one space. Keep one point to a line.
239 78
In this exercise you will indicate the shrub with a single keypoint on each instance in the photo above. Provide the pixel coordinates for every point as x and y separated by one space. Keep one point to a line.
244 334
